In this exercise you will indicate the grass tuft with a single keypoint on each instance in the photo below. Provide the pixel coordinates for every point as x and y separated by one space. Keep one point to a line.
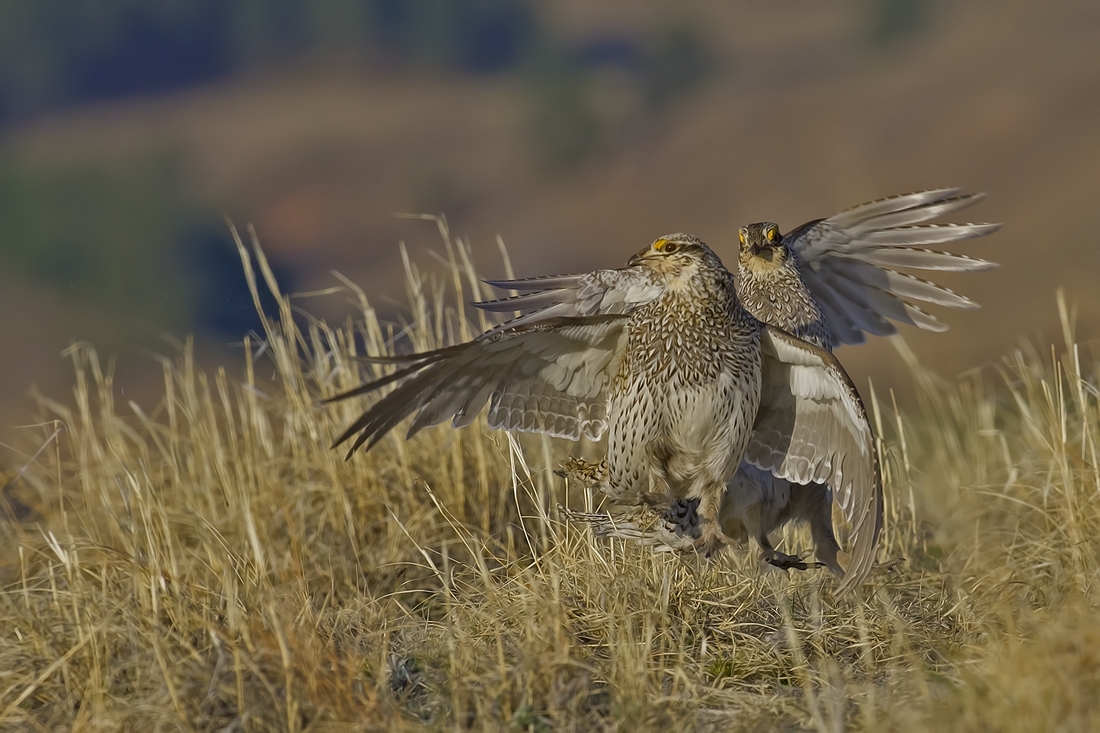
212 564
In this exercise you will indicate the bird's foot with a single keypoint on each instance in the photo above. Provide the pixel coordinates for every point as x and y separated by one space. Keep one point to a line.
643 527
582 471
660 503
784 561
682 517
711 539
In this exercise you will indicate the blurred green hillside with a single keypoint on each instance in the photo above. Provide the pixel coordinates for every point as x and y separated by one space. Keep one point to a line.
131 236
576 131
56 52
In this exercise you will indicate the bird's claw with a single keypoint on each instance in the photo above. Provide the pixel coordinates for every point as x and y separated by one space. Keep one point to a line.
711 540
580 470
787 562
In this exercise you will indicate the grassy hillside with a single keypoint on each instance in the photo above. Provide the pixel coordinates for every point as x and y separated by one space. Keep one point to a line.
209 563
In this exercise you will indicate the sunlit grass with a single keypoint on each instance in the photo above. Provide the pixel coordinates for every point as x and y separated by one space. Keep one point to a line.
212 564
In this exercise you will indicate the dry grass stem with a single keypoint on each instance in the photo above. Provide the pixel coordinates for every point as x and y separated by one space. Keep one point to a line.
211 564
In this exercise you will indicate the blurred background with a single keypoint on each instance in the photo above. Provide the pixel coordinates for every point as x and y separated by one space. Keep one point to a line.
576 131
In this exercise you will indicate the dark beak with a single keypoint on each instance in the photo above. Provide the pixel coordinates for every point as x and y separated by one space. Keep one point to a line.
635 260
765 251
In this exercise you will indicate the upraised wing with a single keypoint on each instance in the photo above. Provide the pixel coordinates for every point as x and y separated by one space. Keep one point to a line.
546 377
601 292
812 428
848 262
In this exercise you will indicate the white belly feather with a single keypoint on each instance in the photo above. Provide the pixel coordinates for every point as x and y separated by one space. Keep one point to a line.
697 433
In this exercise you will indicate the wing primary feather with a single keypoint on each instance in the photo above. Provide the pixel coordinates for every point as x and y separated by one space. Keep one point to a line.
923 234
918 258
525 302
901 284
559 310
549 282
894 307
888 205
864 539
442 403
473 406
396 403
398 359
860 314
918 214
377 383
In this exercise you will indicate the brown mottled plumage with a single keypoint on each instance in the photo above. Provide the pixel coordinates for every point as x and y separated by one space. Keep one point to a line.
827 282
770 285
661 356
688 386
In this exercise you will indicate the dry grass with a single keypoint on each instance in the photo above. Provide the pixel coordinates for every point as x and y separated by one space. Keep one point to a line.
212 564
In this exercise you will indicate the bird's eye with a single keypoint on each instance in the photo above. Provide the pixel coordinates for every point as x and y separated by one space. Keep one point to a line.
773 233
670 247
741 235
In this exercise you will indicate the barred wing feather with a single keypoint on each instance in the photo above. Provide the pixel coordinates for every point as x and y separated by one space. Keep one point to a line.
547 377
611 292
848 259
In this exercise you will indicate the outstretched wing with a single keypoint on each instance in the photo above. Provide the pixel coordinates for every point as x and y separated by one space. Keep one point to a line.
546 377
848 262
601 292
812 428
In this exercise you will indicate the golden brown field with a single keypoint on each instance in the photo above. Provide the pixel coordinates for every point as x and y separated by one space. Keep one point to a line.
211 564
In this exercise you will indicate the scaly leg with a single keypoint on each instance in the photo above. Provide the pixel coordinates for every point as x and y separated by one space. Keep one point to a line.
814 503
782 560
711 537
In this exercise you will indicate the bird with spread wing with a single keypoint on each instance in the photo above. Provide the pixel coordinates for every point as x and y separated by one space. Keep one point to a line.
663 359
830 282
